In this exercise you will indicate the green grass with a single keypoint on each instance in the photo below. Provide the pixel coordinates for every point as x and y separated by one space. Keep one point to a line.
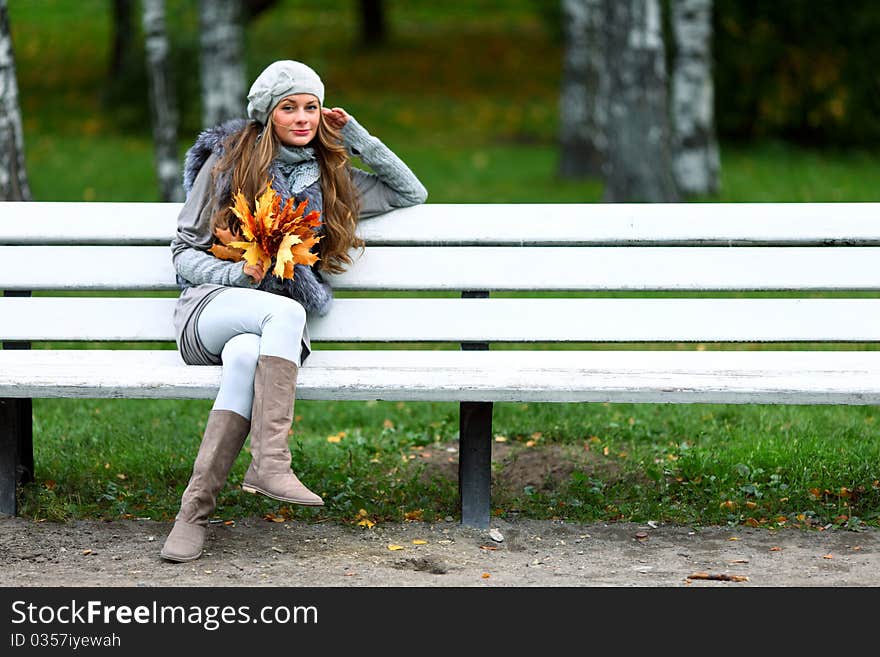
701 464
467 94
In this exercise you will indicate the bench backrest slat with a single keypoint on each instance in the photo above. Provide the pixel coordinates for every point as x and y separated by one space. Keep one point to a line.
482 268
470 224
464 320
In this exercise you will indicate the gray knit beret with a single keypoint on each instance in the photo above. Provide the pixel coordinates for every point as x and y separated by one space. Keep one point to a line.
279 80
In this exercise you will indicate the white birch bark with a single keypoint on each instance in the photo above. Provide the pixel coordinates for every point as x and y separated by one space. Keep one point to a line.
582 107
222 61
638 165
162 101
13 175
696 160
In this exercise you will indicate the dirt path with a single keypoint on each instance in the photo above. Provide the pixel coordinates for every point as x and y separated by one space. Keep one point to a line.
256 552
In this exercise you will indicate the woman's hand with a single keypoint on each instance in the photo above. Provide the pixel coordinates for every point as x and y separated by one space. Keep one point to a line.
336 117
257 271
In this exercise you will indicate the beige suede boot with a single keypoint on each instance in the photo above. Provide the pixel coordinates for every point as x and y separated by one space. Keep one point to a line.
224 437
269 472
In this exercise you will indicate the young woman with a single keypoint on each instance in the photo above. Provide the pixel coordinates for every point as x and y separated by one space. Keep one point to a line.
246 318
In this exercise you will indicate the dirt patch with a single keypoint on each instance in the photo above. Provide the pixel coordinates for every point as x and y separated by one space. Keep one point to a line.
513 552
515 466
255 552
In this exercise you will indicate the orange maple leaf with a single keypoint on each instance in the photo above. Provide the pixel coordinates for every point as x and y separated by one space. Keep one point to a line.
226 252
271 231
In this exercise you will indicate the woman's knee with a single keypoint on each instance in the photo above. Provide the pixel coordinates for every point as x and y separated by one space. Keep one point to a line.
240 354
289 313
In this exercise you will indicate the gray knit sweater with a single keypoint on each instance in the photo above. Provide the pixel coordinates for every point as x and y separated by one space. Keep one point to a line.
390 185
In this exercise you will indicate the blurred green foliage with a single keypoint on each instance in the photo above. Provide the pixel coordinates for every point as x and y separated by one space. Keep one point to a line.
466 92
803 70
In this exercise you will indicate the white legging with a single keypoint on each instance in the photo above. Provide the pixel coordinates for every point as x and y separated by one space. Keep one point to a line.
240 325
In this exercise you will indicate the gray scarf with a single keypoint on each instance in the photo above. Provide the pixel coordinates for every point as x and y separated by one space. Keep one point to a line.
296 173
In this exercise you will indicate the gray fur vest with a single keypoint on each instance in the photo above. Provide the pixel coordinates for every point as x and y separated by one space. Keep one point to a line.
307 285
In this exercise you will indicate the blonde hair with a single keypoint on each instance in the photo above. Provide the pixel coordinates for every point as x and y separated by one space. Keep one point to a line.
249 156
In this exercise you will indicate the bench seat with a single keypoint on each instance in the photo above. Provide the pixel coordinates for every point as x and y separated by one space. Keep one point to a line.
724 377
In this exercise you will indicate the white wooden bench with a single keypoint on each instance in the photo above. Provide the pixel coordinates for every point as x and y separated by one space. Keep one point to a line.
471 250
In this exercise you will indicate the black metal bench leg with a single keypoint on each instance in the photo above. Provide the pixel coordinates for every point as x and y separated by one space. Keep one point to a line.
16 436
475 463
26 441
16 450
475 447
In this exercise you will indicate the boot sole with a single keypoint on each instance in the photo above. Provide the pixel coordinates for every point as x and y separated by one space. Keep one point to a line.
253 490
177 559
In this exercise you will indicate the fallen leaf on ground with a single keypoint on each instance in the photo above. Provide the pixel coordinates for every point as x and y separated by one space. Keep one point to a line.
775 549
488 547
393 546
485 576
719 576
418 541
828 556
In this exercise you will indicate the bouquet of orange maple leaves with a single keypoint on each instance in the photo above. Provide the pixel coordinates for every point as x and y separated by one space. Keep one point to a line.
270 231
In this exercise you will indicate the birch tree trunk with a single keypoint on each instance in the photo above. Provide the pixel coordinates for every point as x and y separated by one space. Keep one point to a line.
582 107
13 176
638 164
121 50
696 162
222 62
163 103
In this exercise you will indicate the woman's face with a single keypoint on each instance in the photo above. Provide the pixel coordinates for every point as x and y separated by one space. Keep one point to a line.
295 119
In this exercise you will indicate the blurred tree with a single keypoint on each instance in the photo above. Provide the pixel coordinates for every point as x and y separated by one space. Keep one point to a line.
13 176
222 60
373 24
163 102
581 110
253 8
122 48
638 164
695 155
